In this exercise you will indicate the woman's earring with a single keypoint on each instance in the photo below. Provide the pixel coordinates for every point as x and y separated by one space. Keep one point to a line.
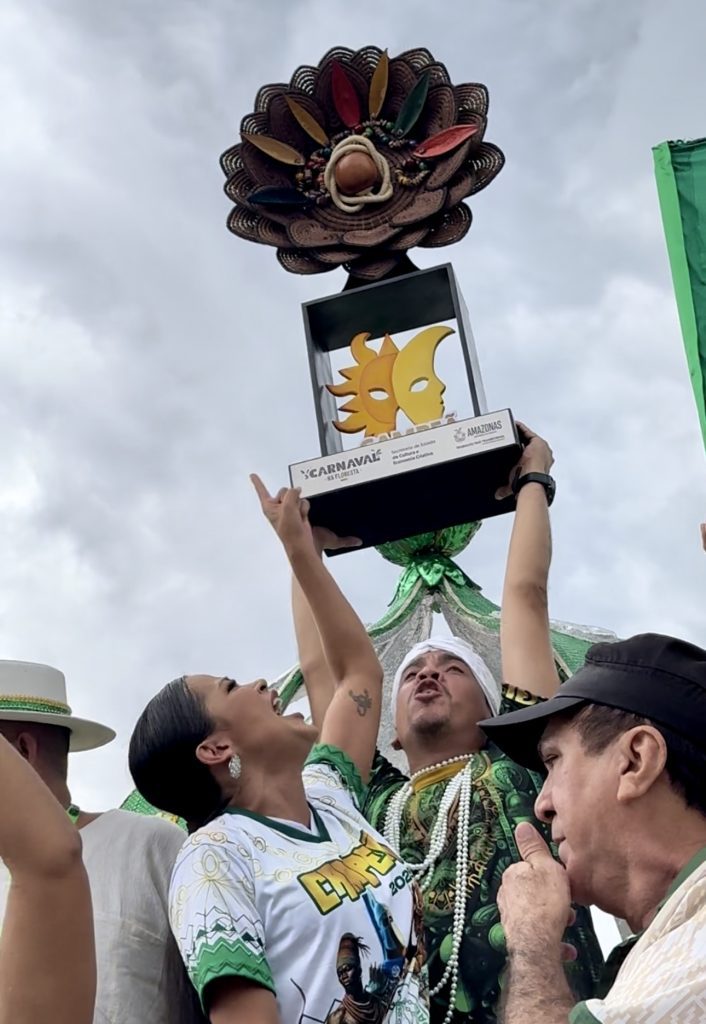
234 767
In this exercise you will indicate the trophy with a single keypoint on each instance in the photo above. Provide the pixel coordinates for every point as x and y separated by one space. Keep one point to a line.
353 163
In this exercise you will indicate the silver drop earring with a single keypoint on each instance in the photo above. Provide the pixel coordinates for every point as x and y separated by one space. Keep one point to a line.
234 767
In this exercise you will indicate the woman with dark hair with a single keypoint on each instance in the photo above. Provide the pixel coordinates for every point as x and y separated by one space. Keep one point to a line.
47 955
264 890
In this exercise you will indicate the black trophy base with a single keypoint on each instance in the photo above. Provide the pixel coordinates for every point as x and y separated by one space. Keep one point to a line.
420 482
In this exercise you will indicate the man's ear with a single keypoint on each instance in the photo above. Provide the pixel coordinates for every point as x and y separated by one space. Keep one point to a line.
25 743
214 750
642 754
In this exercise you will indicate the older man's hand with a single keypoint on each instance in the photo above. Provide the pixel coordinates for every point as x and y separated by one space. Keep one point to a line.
534 898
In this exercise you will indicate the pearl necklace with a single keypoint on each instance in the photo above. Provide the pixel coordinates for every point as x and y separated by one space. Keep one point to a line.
459 786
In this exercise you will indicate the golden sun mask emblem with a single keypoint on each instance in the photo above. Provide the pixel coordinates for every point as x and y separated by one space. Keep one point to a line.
383 383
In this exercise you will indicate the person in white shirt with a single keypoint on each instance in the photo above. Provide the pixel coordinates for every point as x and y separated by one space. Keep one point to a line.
48 921
128 858
287 906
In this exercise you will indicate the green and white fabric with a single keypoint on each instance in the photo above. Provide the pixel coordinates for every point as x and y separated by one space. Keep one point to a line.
663 978
327 918
680 169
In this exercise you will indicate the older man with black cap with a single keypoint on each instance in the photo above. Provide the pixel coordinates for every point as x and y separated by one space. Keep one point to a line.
623 747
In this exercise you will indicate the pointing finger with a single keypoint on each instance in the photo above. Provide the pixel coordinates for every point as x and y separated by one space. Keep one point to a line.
262 492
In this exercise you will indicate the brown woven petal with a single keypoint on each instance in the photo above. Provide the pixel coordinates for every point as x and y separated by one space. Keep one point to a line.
486 162
471 98
400 82
438 75
278 214
304 79
424 204
256 124
231 160
239 186
256 229
372 268
409 238
439 112
263 169
450 227
365 61
335 256
418 59
375 236
298 261
447 166
305 232
285 127
265 95
460 186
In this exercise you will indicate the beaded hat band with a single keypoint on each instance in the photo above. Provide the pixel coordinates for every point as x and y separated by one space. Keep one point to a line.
30 692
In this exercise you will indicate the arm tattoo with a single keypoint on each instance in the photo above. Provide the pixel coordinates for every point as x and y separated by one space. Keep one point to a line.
362 702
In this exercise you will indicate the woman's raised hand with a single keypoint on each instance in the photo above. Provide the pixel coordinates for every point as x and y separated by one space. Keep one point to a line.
287 512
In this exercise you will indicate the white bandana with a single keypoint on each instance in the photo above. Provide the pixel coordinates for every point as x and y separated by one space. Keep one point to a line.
462 650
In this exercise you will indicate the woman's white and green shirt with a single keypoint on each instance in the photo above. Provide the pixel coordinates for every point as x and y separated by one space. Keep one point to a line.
327 918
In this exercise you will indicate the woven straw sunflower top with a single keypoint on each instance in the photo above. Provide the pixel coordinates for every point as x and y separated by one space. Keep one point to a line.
358 160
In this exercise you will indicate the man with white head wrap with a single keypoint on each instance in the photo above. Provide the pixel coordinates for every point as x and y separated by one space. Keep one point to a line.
453 819
462 650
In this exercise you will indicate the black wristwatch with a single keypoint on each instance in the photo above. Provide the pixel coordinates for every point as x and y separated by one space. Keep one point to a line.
544 479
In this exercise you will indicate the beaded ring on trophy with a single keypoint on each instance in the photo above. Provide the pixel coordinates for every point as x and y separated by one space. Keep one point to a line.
358 160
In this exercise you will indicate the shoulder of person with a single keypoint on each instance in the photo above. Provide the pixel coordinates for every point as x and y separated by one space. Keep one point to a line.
385 780
328 768
149 829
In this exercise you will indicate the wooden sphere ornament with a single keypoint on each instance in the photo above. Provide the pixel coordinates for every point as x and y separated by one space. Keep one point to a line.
355 173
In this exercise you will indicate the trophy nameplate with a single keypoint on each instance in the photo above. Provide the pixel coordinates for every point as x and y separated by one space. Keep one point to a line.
424 480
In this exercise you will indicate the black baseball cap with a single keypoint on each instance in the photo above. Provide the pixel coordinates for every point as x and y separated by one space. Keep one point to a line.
658 677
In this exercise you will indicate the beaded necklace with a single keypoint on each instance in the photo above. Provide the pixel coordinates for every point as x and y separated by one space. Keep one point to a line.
73 812
458 787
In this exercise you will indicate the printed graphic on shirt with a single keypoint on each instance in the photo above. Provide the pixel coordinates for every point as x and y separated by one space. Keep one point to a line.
370 1000
348 877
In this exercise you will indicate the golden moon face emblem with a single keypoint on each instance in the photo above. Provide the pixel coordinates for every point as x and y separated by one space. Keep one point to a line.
385 382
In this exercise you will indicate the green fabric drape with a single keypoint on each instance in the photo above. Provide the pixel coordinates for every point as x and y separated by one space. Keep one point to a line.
680 170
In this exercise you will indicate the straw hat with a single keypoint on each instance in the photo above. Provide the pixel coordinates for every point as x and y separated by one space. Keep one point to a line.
37 693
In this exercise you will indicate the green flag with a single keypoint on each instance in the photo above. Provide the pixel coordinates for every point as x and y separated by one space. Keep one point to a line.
680 168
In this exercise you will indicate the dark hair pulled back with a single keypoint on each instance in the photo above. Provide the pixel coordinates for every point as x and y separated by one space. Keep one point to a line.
162 755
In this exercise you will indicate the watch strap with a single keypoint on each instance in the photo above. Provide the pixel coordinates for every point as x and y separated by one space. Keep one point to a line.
544 479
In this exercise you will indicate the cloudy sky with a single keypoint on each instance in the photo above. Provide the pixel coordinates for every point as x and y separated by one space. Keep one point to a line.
149 360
